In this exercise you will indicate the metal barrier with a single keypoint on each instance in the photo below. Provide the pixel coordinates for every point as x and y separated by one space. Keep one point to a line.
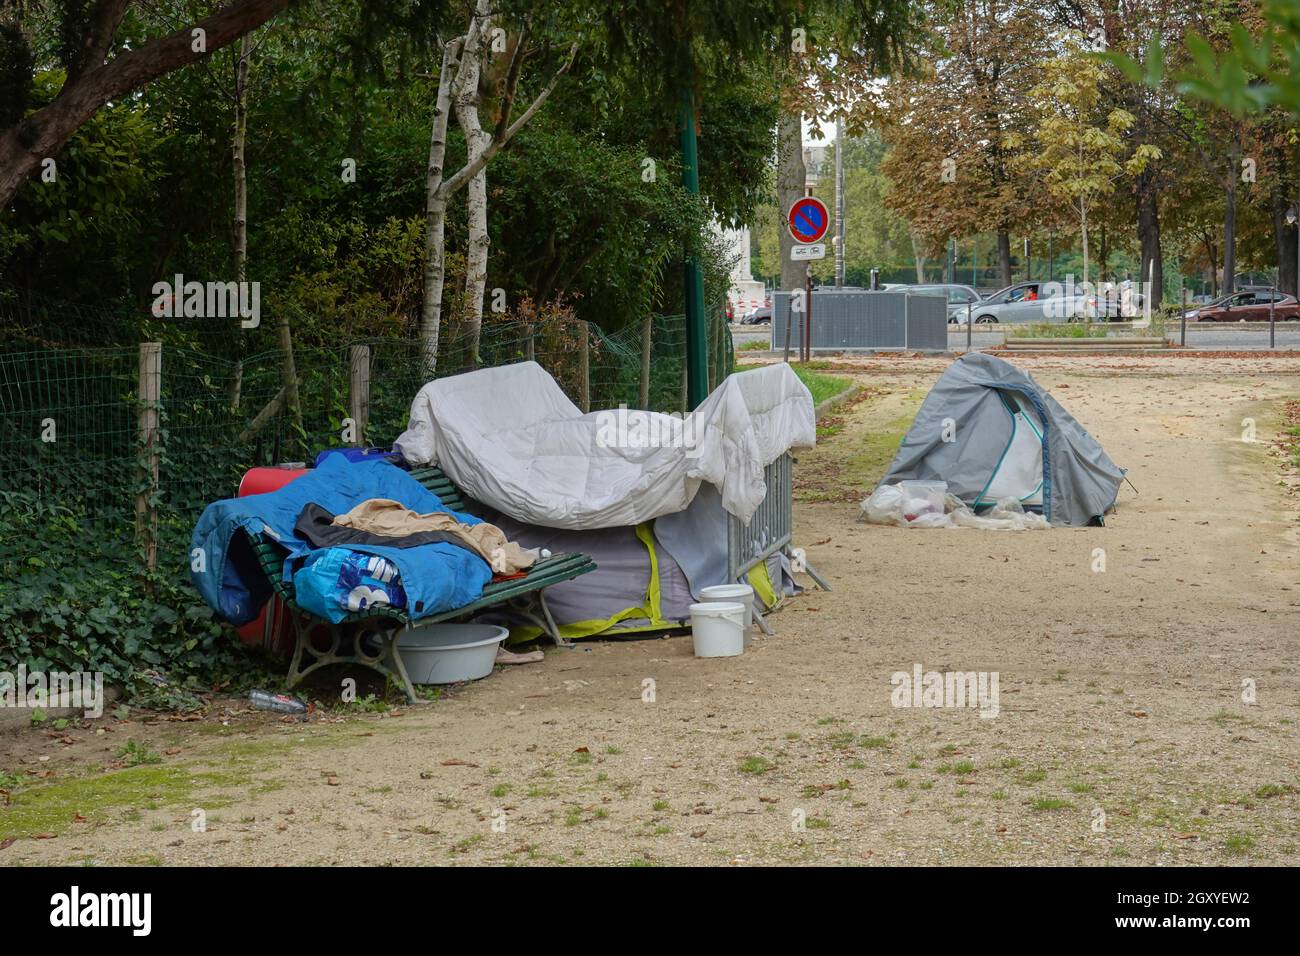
865 320
769 531
771 528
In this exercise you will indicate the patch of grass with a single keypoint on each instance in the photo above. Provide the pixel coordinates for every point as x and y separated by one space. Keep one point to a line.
998 795
900 783
1009 763
500 790
1037 775
1238 844
573 817
1050 803
756 765
963 767
52 807
1271 790
1080 786
612 751
817 823
873 743
826 721
660 805
136 754
467 844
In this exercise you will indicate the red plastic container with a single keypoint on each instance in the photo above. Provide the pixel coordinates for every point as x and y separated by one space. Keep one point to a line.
273 627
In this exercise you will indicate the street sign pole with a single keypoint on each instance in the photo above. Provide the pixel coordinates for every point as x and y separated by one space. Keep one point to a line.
808 220
697 364
807 317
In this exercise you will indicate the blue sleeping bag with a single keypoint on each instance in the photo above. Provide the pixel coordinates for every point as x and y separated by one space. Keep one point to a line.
435 577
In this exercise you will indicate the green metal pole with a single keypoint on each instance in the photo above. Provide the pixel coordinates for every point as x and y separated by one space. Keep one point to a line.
697 354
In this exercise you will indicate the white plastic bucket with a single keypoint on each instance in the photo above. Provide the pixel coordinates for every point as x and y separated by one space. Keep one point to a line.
450 653
733 594
718 629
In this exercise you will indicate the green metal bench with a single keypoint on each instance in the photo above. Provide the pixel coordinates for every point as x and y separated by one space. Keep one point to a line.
370 637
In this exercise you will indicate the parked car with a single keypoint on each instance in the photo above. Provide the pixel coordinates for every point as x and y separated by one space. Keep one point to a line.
1250 306
959 296
760 316
1032 302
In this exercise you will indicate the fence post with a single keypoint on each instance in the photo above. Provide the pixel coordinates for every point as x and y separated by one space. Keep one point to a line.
359 392
584 370
530 334
645 362
149 391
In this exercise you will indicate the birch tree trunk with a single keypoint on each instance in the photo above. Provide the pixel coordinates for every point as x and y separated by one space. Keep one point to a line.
476 144
435 212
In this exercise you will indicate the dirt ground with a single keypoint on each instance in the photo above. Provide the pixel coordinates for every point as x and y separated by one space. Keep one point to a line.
1122 736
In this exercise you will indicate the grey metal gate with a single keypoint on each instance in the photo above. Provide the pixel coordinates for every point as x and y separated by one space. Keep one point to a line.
770 529
856 319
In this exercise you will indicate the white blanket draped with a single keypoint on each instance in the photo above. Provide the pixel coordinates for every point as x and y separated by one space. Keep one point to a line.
510 438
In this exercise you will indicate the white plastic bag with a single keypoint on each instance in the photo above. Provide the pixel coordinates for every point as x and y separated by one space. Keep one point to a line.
890 504
885 506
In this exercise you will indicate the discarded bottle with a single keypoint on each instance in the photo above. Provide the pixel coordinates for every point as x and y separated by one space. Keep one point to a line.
280 703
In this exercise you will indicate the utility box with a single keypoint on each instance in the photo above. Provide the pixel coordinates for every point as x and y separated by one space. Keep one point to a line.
856 319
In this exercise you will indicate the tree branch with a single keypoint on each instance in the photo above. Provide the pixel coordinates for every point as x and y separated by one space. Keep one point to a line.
44 133
471 168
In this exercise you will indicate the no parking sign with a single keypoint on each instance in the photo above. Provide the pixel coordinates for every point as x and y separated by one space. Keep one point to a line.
808 220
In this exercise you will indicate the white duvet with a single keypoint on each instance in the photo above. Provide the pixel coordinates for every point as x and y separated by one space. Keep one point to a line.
510 438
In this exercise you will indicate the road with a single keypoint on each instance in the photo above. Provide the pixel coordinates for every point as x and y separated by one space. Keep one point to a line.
1209 338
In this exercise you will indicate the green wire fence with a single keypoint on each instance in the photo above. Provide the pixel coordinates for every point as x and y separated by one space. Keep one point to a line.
71 412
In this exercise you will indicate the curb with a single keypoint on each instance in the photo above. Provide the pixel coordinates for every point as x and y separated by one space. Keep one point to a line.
835 401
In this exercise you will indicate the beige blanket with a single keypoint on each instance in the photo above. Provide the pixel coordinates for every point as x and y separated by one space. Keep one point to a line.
390 518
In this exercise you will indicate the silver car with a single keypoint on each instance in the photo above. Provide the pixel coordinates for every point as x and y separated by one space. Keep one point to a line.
1036 301
959 296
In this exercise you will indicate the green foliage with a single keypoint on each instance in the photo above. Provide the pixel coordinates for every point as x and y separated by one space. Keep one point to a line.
74 596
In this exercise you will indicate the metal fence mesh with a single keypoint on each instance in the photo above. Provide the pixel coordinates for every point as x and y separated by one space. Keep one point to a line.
69 411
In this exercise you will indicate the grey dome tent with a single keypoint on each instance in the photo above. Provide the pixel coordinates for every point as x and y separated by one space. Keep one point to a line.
990 431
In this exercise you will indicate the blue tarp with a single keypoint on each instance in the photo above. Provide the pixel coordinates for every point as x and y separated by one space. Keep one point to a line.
436 577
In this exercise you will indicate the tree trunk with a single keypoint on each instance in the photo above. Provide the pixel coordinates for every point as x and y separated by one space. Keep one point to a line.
98 80
1083 229
1230 236
476 142
1148 227
1103 261
240 223
918 258
1004 256
791 180
1284 242
435 213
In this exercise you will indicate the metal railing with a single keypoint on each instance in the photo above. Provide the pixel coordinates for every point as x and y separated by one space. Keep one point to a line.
770 529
